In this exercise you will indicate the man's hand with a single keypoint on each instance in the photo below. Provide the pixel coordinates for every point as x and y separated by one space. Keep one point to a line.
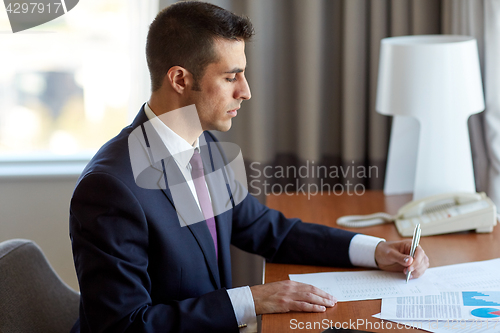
394 256
286 296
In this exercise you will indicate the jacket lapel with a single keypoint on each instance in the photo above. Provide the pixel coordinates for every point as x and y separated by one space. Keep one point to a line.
172 183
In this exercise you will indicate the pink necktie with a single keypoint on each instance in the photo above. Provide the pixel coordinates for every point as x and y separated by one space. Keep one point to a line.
202 192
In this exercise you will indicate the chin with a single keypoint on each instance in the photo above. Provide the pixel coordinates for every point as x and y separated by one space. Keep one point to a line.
223 127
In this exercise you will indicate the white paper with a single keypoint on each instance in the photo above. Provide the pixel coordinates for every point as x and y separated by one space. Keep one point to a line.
449 305
478 275
364 285
462 326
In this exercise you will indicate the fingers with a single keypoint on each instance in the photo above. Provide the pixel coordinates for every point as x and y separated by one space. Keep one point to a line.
403 259
306 307
312 302
394 256
315 294
420 263
307 298
316 297
285 296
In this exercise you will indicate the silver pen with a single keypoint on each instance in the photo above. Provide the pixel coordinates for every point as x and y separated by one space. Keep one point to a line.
414 243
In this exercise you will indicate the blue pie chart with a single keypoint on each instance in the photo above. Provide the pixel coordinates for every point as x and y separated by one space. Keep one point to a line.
486 313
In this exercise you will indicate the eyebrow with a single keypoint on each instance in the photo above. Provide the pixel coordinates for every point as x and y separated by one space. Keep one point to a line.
234 70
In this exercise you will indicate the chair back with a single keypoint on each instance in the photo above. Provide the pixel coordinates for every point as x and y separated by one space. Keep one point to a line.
32 297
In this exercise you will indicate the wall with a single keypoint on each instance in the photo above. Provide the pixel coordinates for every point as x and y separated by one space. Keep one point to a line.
37 208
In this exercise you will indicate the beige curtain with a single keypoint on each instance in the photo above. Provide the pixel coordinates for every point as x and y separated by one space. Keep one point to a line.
481 19
312 68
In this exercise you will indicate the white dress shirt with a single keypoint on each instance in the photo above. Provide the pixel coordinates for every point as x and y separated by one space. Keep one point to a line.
361 248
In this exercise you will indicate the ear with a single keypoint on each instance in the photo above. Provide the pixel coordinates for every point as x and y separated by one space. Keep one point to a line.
179 78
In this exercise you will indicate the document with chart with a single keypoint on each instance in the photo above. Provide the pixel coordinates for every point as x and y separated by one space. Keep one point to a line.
449 305
363 285
467 291
469 301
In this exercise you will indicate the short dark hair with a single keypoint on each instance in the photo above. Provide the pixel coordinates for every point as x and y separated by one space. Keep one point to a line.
183 34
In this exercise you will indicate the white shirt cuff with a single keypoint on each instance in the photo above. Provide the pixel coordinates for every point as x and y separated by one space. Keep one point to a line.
244 308
362 250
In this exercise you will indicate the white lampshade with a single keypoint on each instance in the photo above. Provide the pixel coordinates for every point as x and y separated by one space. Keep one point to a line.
437 80
422 75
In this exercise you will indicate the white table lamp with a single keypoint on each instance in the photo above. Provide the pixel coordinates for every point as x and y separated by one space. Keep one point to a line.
437 80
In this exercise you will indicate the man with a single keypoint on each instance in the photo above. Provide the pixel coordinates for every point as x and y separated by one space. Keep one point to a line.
141 267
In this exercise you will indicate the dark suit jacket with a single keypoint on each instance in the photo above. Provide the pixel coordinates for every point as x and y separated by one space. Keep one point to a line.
141 270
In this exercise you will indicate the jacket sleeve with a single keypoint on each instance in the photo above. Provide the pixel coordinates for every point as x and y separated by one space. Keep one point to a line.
264 231
109 234
259 229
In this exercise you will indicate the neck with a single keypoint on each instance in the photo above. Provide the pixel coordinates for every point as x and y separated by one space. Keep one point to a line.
182 119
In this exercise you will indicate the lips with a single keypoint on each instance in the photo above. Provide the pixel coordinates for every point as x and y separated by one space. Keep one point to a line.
233 112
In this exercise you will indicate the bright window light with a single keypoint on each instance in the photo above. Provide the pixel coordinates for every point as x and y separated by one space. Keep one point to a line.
65 85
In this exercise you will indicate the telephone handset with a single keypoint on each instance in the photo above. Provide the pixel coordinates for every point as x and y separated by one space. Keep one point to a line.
438 214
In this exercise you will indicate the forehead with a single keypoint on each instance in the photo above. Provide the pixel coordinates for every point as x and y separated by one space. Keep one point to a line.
230 55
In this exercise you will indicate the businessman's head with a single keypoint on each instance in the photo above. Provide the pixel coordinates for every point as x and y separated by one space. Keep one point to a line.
195 54
184 34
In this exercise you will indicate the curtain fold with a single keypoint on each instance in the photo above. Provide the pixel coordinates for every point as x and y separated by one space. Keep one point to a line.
309 74
481 19
354 86
378 125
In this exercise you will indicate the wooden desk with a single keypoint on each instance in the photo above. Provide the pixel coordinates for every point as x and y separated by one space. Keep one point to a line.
441 250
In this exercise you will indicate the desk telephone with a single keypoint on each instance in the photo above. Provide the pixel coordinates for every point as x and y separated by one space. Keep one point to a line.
438 214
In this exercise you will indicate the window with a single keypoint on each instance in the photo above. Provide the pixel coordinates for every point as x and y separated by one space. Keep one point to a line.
65 85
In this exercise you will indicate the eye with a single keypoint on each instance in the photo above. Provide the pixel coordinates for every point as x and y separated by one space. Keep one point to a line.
231 79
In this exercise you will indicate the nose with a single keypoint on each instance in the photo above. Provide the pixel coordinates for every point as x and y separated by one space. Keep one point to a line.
243 91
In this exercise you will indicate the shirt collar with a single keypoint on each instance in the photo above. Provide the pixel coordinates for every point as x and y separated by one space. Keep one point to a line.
179 148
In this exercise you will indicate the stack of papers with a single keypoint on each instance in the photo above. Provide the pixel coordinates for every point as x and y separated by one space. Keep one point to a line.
463 297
